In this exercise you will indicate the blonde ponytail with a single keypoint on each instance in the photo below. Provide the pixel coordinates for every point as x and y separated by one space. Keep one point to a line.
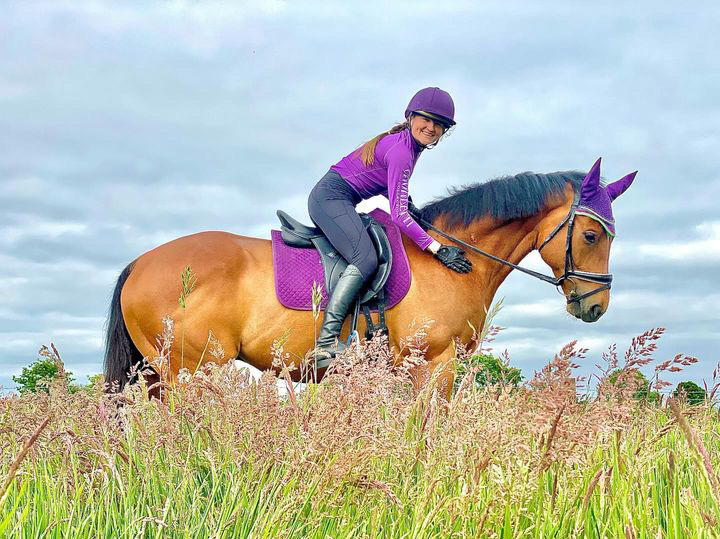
368 149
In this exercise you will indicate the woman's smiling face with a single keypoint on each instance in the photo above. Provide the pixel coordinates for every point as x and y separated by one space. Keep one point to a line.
424 130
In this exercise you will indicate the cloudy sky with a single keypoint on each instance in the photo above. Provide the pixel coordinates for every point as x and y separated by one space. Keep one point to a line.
124 125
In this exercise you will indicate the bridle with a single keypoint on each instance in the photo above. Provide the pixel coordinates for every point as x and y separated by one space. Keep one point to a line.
570 273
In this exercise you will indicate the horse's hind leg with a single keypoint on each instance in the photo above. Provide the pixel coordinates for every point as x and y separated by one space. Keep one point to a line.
152 383
149 372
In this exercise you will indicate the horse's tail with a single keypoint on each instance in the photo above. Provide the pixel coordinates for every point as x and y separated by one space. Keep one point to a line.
120 352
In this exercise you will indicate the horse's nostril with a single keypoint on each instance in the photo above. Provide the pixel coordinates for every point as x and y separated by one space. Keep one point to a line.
596 311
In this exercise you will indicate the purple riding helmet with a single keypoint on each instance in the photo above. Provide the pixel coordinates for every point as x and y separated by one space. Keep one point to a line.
433 103
595 199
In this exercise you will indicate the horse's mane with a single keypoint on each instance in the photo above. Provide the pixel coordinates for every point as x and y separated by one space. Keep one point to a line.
503 199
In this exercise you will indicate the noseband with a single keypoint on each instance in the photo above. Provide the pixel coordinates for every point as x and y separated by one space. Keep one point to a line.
570 273
604 279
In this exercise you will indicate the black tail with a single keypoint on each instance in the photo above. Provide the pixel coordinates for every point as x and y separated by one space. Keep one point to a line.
120 352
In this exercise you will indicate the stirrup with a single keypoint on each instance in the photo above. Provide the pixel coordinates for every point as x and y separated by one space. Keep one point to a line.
325 355
329 353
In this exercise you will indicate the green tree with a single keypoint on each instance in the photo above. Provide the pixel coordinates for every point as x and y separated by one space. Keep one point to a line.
642 393
96 380
490 371
691 391
38 375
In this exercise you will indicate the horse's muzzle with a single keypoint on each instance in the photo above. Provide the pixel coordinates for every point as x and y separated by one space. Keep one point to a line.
591 314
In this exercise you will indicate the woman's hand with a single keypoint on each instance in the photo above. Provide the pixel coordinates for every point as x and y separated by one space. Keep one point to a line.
454 258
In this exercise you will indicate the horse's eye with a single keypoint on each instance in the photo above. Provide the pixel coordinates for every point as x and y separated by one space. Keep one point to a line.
590 237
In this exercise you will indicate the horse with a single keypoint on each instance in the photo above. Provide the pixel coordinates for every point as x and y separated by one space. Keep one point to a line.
499 222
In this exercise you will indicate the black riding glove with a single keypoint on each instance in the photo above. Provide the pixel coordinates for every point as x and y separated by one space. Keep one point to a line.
454 258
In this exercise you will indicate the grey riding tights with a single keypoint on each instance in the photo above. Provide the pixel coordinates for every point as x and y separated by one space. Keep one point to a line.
332 208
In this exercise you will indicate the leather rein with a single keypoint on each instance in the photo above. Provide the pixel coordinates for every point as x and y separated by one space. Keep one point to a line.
570 273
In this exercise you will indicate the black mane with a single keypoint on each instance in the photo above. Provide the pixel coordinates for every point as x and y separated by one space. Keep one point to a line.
503 199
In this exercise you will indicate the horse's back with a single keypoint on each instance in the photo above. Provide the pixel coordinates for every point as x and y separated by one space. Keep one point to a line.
203 252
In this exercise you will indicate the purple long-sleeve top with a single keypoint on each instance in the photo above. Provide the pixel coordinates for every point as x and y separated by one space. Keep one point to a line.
388 175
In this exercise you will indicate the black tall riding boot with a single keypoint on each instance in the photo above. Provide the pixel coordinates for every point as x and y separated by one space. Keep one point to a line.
341 299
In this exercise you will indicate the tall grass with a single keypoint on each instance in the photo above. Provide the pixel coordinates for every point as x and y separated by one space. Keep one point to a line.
359 455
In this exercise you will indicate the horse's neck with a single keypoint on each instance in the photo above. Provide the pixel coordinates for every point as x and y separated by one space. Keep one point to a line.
511 241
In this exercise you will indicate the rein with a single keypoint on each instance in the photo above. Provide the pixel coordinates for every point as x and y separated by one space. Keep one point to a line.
604 279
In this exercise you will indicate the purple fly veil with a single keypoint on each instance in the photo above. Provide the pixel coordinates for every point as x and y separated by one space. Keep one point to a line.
595 199
617 188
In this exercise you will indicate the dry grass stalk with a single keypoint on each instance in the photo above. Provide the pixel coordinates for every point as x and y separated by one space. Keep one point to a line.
484 516
364 482
467 382
435 510
363 417
19 458
553 496
481 466
545 460
591 488
662 432
708 519
695 442
608 482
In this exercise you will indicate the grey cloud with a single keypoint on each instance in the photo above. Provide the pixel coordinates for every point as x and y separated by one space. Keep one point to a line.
147 121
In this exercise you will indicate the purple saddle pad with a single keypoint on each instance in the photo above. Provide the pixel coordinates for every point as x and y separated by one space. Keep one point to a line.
296 269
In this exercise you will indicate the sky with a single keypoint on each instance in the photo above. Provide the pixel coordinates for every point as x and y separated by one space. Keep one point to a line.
125 125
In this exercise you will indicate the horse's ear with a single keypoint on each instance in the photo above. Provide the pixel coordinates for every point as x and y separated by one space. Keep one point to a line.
617 188
591 183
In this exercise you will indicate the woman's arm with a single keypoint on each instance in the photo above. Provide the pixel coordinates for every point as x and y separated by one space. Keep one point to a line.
399 170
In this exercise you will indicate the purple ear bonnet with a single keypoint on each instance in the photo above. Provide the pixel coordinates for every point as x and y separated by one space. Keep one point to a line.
595 199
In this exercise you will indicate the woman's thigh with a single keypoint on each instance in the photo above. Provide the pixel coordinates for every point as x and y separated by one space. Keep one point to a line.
345 231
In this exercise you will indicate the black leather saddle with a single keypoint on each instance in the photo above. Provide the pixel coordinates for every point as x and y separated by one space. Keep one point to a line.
296 234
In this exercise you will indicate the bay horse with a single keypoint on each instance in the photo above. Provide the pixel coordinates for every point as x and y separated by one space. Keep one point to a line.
234 296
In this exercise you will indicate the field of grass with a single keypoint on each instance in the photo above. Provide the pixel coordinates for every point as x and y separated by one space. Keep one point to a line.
358 455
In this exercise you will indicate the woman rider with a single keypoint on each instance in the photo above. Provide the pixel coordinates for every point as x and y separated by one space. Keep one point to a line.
381 166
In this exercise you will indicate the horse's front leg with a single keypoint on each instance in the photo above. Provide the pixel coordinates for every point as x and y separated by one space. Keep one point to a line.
441 368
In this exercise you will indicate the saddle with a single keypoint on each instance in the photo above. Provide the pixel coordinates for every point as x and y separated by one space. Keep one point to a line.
372 296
